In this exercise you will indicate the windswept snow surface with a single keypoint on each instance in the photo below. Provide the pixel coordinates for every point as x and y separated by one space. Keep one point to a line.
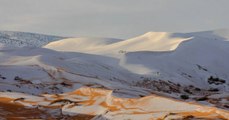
157 75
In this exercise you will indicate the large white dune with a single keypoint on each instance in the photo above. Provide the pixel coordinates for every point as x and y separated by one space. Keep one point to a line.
170 54
151 41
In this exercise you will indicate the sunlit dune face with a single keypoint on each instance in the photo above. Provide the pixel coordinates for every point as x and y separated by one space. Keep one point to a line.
89 102
152 41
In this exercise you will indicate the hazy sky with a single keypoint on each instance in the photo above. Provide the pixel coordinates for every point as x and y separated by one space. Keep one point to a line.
112 18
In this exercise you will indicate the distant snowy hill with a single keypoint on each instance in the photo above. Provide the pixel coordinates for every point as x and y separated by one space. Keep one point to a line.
22 39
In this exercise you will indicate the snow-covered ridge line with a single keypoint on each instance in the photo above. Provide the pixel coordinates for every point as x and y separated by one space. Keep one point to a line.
25 39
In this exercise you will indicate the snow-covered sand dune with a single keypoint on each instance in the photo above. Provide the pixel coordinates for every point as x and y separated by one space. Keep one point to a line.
151 41
192 57
101 104
137 78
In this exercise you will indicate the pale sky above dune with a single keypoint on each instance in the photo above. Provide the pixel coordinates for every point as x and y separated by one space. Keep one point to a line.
112 18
